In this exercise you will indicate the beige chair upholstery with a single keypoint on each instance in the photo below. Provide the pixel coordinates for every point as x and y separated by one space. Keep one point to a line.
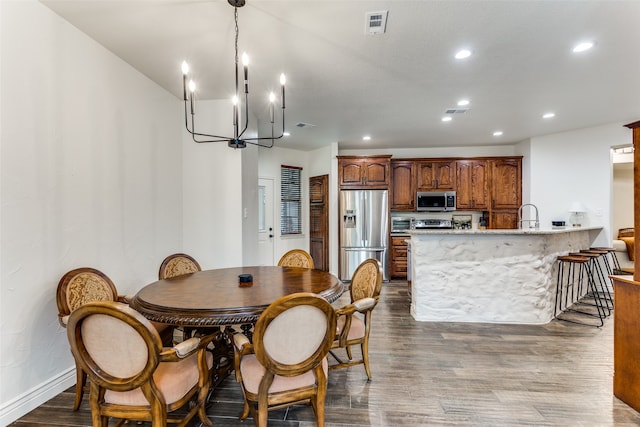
79 287
296 258
177 265
354 329
287 362
132 377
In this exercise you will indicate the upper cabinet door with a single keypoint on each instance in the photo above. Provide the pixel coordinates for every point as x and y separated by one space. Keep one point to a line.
506 183
436 175
471 185
351 172
403 189
364 172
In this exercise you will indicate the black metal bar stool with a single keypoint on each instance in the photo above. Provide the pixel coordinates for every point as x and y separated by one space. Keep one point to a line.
603 272
615 264
600 291
573 271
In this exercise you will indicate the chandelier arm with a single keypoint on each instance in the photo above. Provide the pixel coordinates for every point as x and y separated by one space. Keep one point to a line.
219 138
246 114
258 144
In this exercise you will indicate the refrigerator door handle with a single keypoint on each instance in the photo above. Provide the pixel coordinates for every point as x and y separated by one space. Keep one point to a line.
364 217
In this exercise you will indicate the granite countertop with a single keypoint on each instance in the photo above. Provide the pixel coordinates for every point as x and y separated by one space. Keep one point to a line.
506 231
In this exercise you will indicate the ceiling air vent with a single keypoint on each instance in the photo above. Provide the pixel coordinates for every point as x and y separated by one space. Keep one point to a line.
456 110
302 125
376 22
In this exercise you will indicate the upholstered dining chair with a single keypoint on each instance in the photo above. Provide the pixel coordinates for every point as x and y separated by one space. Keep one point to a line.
354 320
296 258
132 377
81 286
287 362
177 265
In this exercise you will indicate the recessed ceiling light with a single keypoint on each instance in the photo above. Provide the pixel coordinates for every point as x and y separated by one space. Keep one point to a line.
463 102
446 119
464 53
582 47
497 133
366 138
548 115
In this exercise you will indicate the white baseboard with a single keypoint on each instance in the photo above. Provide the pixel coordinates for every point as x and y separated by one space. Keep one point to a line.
31 399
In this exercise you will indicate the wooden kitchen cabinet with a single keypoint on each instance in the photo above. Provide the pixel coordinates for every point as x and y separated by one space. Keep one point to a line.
398 257
472 185
503 219
356 172
436 175
506 191
506 183
403 185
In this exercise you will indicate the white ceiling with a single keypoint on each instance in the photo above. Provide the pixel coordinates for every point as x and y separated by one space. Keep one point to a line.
396 86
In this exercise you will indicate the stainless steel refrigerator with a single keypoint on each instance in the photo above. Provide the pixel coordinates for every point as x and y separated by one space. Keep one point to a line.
364 222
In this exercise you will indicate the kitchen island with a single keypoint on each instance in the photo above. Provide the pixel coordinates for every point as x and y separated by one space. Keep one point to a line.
494 276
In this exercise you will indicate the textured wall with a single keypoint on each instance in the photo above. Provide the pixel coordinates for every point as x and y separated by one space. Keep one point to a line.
489 276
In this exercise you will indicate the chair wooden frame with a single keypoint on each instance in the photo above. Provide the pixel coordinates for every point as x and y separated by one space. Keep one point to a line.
83 285
107 376
177 265
366 285
296 258
284 372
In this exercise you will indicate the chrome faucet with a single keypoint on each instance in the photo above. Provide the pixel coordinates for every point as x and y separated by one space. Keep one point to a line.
536 222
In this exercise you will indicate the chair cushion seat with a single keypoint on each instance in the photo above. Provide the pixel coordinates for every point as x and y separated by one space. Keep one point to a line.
174 379
357 327
252 372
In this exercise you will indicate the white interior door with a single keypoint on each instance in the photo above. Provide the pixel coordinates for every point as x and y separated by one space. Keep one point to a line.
266 226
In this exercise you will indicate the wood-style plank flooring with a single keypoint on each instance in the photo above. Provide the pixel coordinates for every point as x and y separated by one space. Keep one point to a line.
461 374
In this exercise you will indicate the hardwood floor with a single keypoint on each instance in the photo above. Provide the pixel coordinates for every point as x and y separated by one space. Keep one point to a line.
559 374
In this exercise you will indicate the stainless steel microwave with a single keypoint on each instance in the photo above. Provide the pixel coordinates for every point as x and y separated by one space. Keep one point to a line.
436 201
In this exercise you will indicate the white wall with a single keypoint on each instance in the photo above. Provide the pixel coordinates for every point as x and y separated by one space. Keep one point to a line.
212 200
90 176
576 166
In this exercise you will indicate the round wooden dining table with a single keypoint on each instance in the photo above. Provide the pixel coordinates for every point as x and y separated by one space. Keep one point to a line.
217 297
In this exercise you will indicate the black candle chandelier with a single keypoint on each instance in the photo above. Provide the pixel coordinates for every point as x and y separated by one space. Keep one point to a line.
237 141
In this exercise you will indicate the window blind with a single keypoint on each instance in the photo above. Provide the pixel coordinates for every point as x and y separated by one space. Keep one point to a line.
290 200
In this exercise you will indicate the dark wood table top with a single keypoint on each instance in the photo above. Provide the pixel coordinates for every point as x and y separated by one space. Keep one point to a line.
215 297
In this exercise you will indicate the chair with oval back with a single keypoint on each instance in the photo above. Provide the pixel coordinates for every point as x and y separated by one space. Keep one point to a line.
353 329
81 286
296 258
177 265
132 377
287 362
